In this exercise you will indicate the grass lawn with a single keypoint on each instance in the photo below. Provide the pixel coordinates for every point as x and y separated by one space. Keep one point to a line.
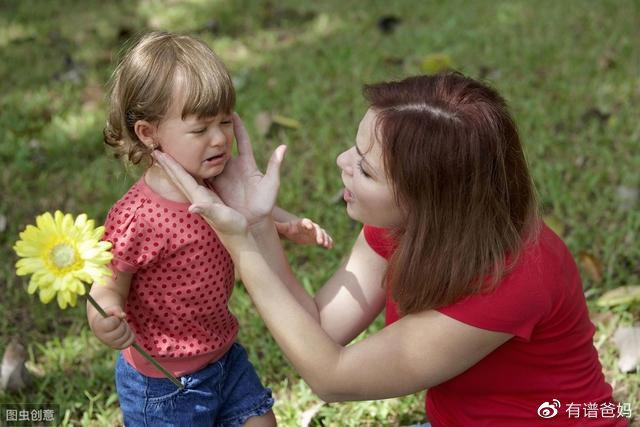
569 69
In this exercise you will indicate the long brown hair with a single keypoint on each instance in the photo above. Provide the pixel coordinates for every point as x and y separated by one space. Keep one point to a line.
456 164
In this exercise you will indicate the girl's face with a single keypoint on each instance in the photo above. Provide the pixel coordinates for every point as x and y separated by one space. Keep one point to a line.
201 146
368 191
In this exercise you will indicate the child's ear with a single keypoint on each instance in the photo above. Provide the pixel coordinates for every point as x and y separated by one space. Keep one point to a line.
145 132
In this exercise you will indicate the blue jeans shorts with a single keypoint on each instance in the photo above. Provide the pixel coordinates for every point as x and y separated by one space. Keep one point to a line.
224 393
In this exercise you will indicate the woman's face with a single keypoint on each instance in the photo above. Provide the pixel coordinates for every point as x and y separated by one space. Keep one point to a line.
368 192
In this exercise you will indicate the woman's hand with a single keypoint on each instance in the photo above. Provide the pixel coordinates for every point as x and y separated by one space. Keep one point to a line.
242 186
243 195
205 202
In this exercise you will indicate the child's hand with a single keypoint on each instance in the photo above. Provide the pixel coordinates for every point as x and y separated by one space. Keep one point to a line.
305 232
113 330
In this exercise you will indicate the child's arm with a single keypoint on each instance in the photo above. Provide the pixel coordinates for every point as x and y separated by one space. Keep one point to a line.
113 330
300 230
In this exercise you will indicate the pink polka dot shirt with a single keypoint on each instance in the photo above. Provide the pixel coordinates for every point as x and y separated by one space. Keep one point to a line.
183 279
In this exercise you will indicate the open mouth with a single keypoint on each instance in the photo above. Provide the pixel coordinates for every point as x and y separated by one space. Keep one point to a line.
214 158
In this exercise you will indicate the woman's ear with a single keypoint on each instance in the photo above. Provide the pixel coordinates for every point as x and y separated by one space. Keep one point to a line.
146 133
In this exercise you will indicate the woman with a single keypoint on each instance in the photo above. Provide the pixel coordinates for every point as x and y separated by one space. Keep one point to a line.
484 303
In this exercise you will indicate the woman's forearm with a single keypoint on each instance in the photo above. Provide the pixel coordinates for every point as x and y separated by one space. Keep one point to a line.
269 245
298 333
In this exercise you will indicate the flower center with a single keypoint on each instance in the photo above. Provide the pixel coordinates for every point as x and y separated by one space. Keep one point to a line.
63 255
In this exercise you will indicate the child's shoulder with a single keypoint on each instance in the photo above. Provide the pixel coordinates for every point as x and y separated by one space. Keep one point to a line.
133 194
129 203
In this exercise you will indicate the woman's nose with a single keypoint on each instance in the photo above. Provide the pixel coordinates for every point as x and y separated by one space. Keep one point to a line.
344 163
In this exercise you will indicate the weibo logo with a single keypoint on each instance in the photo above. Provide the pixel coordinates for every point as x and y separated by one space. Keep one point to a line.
549 410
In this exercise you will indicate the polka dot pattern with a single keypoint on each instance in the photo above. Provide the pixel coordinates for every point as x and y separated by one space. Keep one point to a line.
183 276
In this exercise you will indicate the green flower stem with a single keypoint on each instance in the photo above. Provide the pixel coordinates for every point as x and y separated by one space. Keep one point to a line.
141 350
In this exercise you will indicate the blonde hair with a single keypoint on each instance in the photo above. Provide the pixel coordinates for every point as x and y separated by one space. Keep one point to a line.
143 83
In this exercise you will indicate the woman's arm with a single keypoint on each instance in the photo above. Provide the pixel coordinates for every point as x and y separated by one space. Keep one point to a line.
352 297
415 353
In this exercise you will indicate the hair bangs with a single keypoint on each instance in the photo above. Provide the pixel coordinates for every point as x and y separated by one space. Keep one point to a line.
207 91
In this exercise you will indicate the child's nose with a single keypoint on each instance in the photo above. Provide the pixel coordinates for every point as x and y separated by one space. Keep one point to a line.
218 137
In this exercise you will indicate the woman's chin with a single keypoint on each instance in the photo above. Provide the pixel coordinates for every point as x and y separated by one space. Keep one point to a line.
353 213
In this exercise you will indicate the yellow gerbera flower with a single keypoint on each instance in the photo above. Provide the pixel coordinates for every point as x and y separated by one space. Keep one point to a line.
62 255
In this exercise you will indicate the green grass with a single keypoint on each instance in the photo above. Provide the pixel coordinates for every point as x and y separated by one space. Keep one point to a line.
570 71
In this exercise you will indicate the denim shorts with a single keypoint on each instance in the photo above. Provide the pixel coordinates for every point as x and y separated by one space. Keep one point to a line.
225 393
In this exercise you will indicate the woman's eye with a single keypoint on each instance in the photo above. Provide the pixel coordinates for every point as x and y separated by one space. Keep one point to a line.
362 170
199 131
226 122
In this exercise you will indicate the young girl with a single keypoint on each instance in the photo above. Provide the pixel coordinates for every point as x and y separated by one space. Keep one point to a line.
171 275
484 303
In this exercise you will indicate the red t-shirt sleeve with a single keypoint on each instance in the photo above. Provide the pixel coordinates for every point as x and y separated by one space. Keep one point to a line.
136 243
516 306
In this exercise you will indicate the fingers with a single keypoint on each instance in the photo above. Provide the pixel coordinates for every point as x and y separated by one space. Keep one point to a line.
273 168
116 311
178 175
319 234
121 337
327 241
113 330
242 137
322 237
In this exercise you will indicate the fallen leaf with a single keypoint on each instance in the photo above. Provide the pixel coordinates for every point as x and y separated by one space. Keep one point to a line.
436 62
627 340
393 60
601 317
13 374
489 73
286 122
595 114
627 196
607 60
621 295
592 266
388 23
307 416
263 122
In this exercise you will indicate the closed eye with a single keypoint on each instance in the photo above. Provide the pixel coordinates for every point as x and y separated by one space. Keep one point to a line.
199 131
362 169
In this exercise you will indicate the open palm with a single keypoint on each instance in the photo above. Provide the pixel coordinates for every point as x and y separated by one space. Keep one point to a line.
242 186
242 194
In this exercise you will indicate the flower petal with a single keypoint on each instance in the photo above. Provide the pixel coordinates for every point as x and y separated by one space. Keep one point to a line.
47 294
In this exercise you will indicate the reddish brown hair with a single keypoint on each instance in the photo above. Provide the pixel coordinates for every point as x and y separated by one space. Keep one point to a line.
456 164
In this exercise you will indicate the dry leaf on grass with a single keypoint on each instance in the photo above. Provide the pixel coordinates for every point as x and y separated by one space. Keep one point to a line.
13 374
627 340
